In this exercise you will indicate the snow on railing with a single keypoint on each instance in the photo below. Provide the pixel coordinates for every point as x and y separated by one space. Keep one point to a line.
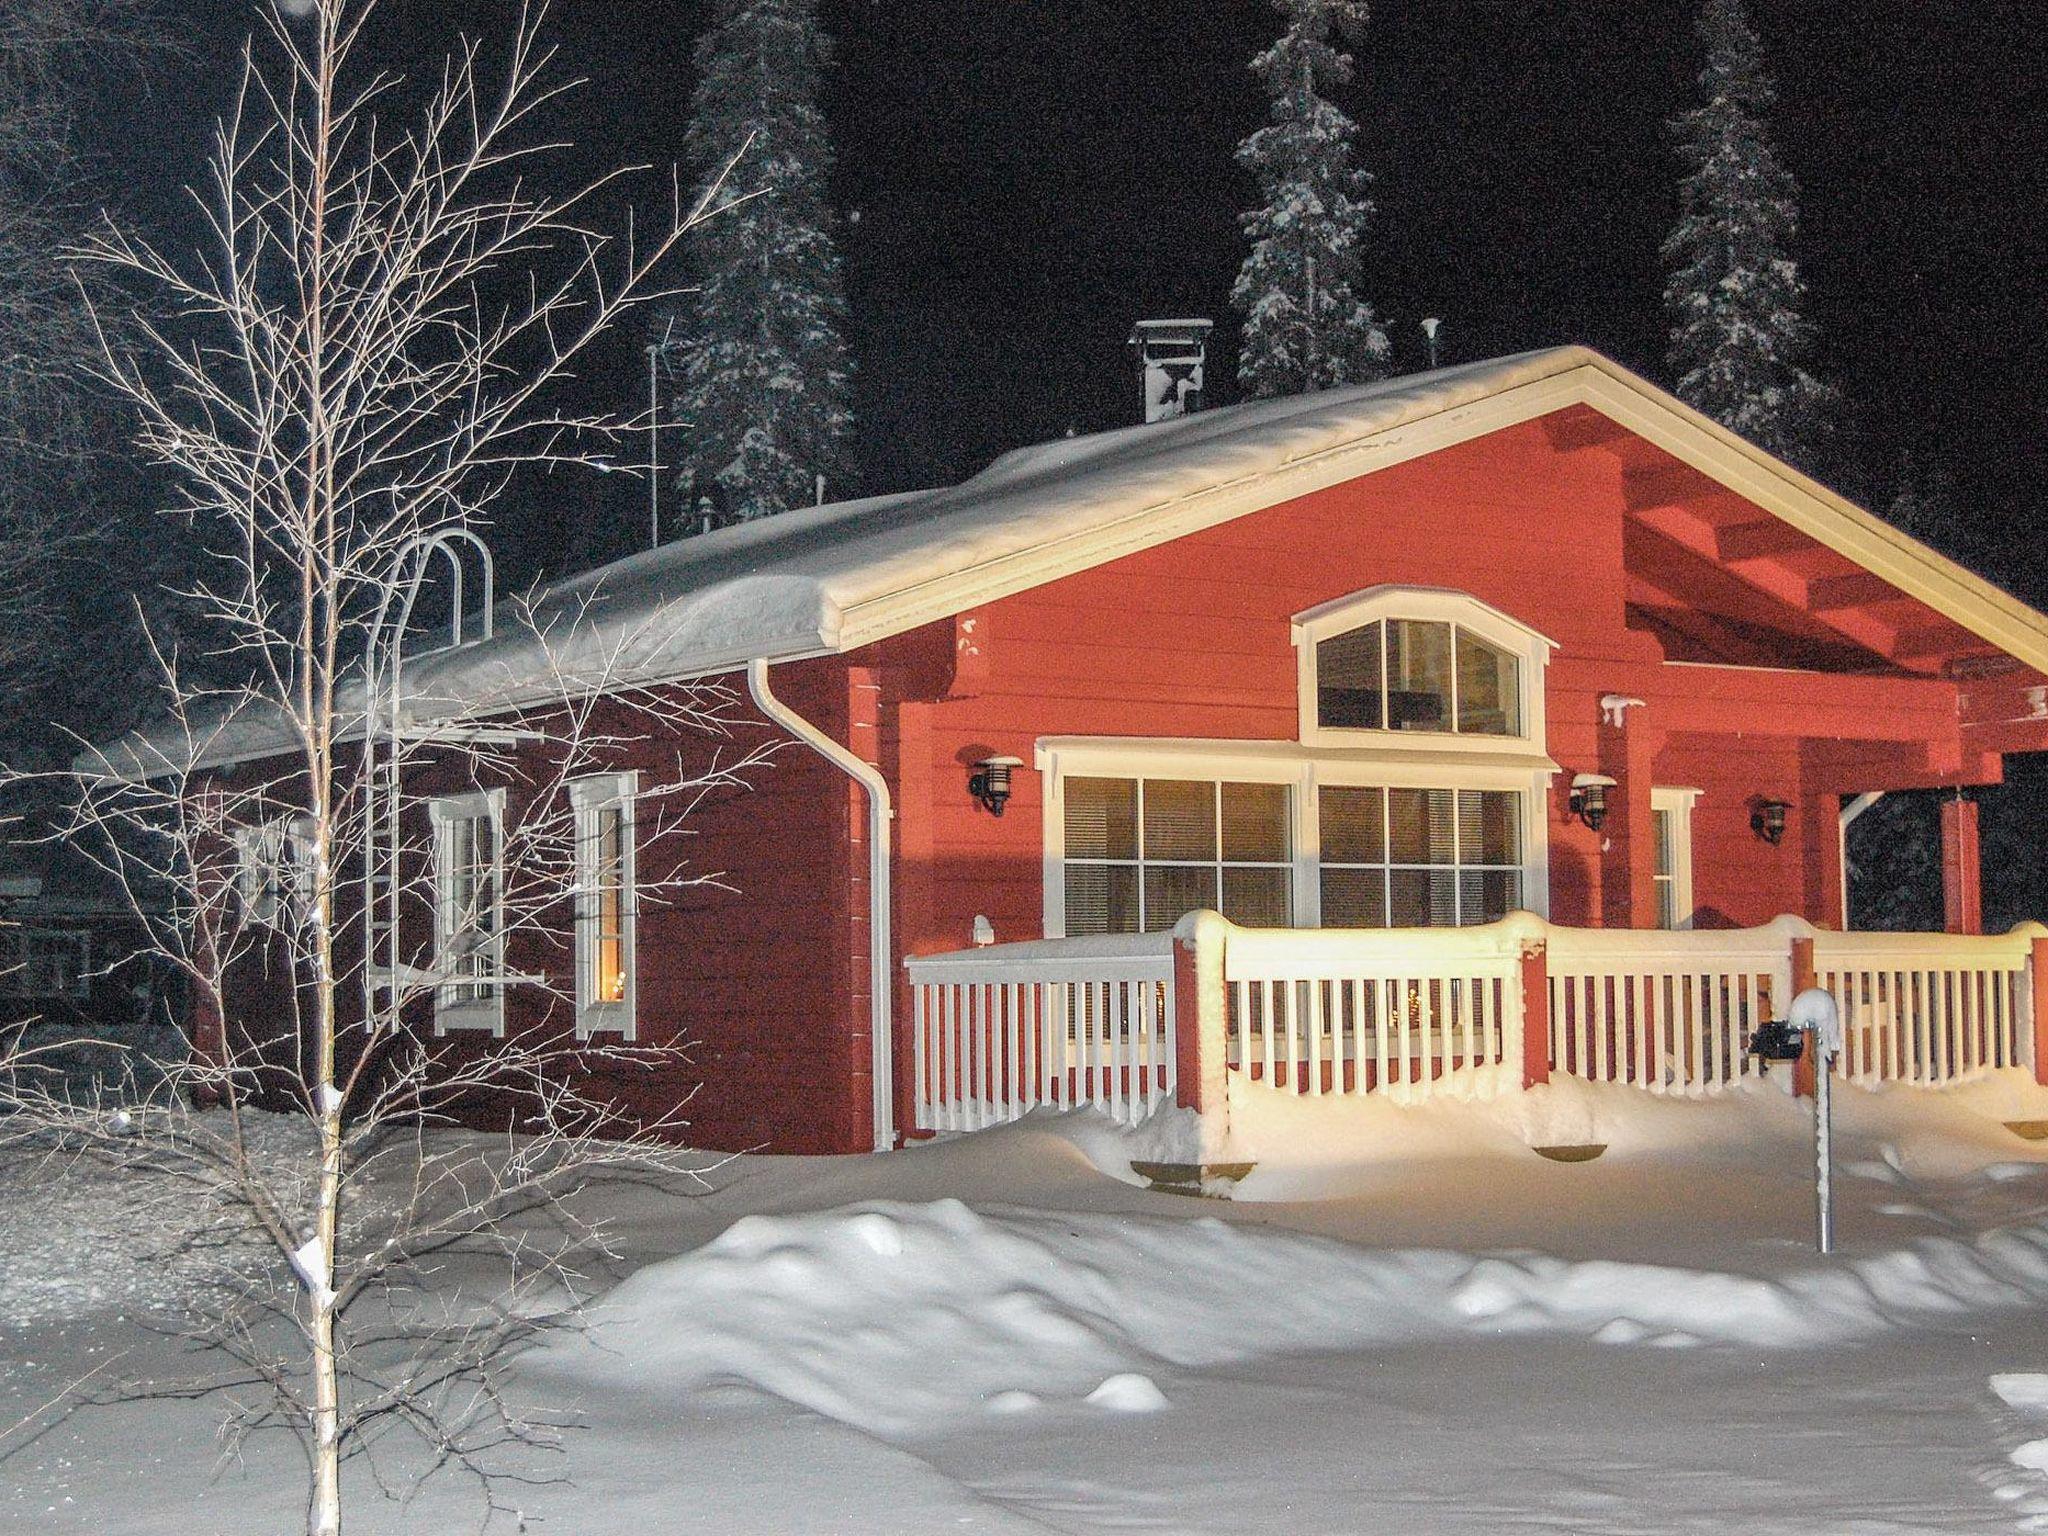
1930 1008
1334 1011
1000 1031
1666 1011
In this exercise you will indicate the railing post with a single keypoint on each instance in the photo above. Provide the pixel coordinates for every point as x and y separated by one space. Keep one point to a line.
2037 976
1804 1081
1535 1011
1200 1011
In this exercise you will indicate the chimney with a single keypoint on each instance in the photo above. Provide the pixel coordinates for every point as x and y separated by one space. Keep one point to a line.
1170 355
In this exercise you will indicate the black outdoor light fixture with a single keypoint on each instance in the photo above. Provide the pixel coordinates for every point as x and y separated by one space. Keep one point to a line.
990 782
1767 821
1589 798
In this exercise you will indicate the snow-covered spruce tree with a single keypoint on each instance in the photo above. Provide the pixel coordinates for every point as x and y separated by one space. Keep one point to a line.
1307 325
766 377
1739 337
371 335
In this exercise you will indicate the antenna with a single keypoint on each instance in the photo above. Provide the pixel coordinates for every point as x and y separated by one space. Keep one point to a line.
654 445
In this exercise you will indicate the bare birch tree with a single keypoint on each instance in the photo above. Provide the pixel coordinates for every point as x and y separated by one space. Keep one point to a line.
377 335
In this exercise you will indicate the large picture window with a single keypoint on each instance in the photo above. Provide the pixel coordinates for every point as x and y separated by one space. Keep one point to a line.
1418 858
1141 853
469 929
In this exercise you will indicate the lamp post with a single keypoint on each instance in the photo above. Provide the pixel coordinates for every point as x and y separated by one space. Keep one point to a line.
1816 1014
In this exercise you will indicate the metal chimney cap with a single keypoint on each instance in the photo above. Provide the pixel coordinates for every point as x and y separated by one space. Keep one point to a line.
1188 332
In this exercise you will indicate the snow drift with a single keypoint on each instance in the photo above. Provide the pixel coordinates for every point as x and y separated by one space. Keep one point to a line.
899 1317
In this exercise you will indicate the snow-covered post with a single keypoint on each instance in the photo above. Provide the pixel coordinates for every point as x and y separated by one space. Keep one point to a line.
1815 1014
1201 1019
1804 979
1535 1009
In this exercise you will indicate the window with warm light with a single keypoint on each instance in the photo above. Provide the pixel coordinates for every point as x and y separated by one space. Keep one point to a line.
605 904
469 927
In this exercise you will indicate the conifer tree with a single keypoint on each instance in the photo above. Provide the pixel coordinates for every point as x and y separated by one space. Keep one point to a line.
1734 296
765 373
1306 323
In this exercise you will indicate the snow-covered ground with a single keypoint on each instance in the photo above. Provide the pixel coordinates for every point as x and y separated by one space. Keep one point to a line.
1407 1322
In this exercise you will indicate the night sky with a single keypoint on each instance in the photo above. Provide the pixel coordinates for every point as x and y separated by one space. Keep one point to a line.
1022 180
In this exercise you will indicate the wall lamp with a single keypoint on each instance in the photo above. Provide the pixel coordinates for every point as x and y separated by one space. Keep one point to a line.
1767 821
989 783
1589 798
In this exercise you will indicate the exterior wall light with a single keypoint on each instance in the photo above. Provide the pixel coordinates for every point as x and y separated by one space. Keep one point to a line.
1767 821
990 782
1589 798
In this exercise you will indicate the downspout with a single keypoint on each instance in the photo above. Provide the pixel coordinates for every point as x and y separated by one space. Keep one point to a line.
881 959
1848 814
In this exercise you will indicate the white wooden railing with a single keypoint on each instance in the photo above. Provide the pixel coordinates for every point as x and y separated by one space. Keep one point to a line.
1669 1012
1000 1031
1929 1008
1133 1023
1410 1011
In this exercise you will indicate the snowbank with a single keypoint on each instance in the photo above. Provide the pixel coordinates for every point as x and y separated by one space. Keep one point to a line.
898 1318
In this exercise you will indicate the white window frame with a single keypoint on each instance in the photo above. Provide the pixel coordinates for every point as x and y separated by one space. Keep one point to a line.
1305 770
1676 801
1438 605
1218 865
591 797
273 864
452 1012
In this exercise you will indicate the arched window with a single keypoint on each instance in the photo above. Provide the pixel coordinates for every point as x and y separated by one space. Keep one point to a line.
1418 662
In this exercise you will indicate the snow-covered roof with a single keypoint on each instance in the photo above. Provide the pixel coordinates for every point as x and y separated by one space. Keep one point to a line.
832 578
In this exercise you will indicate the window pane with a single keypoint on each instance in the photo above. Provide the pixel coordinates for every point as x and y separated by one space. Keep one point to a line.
1418 675
611 970
1180 819
1257 898
1489 827
1102 898
1354 825
1354 898
1102 818
1423 898
1489 688
1171 893
1667 902
1419 825
1348 680
1488 895
1255 823
1660 834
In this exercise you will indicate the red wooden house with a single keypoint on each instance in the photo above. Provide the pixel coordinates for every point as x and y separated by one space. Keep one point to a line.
1524 636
